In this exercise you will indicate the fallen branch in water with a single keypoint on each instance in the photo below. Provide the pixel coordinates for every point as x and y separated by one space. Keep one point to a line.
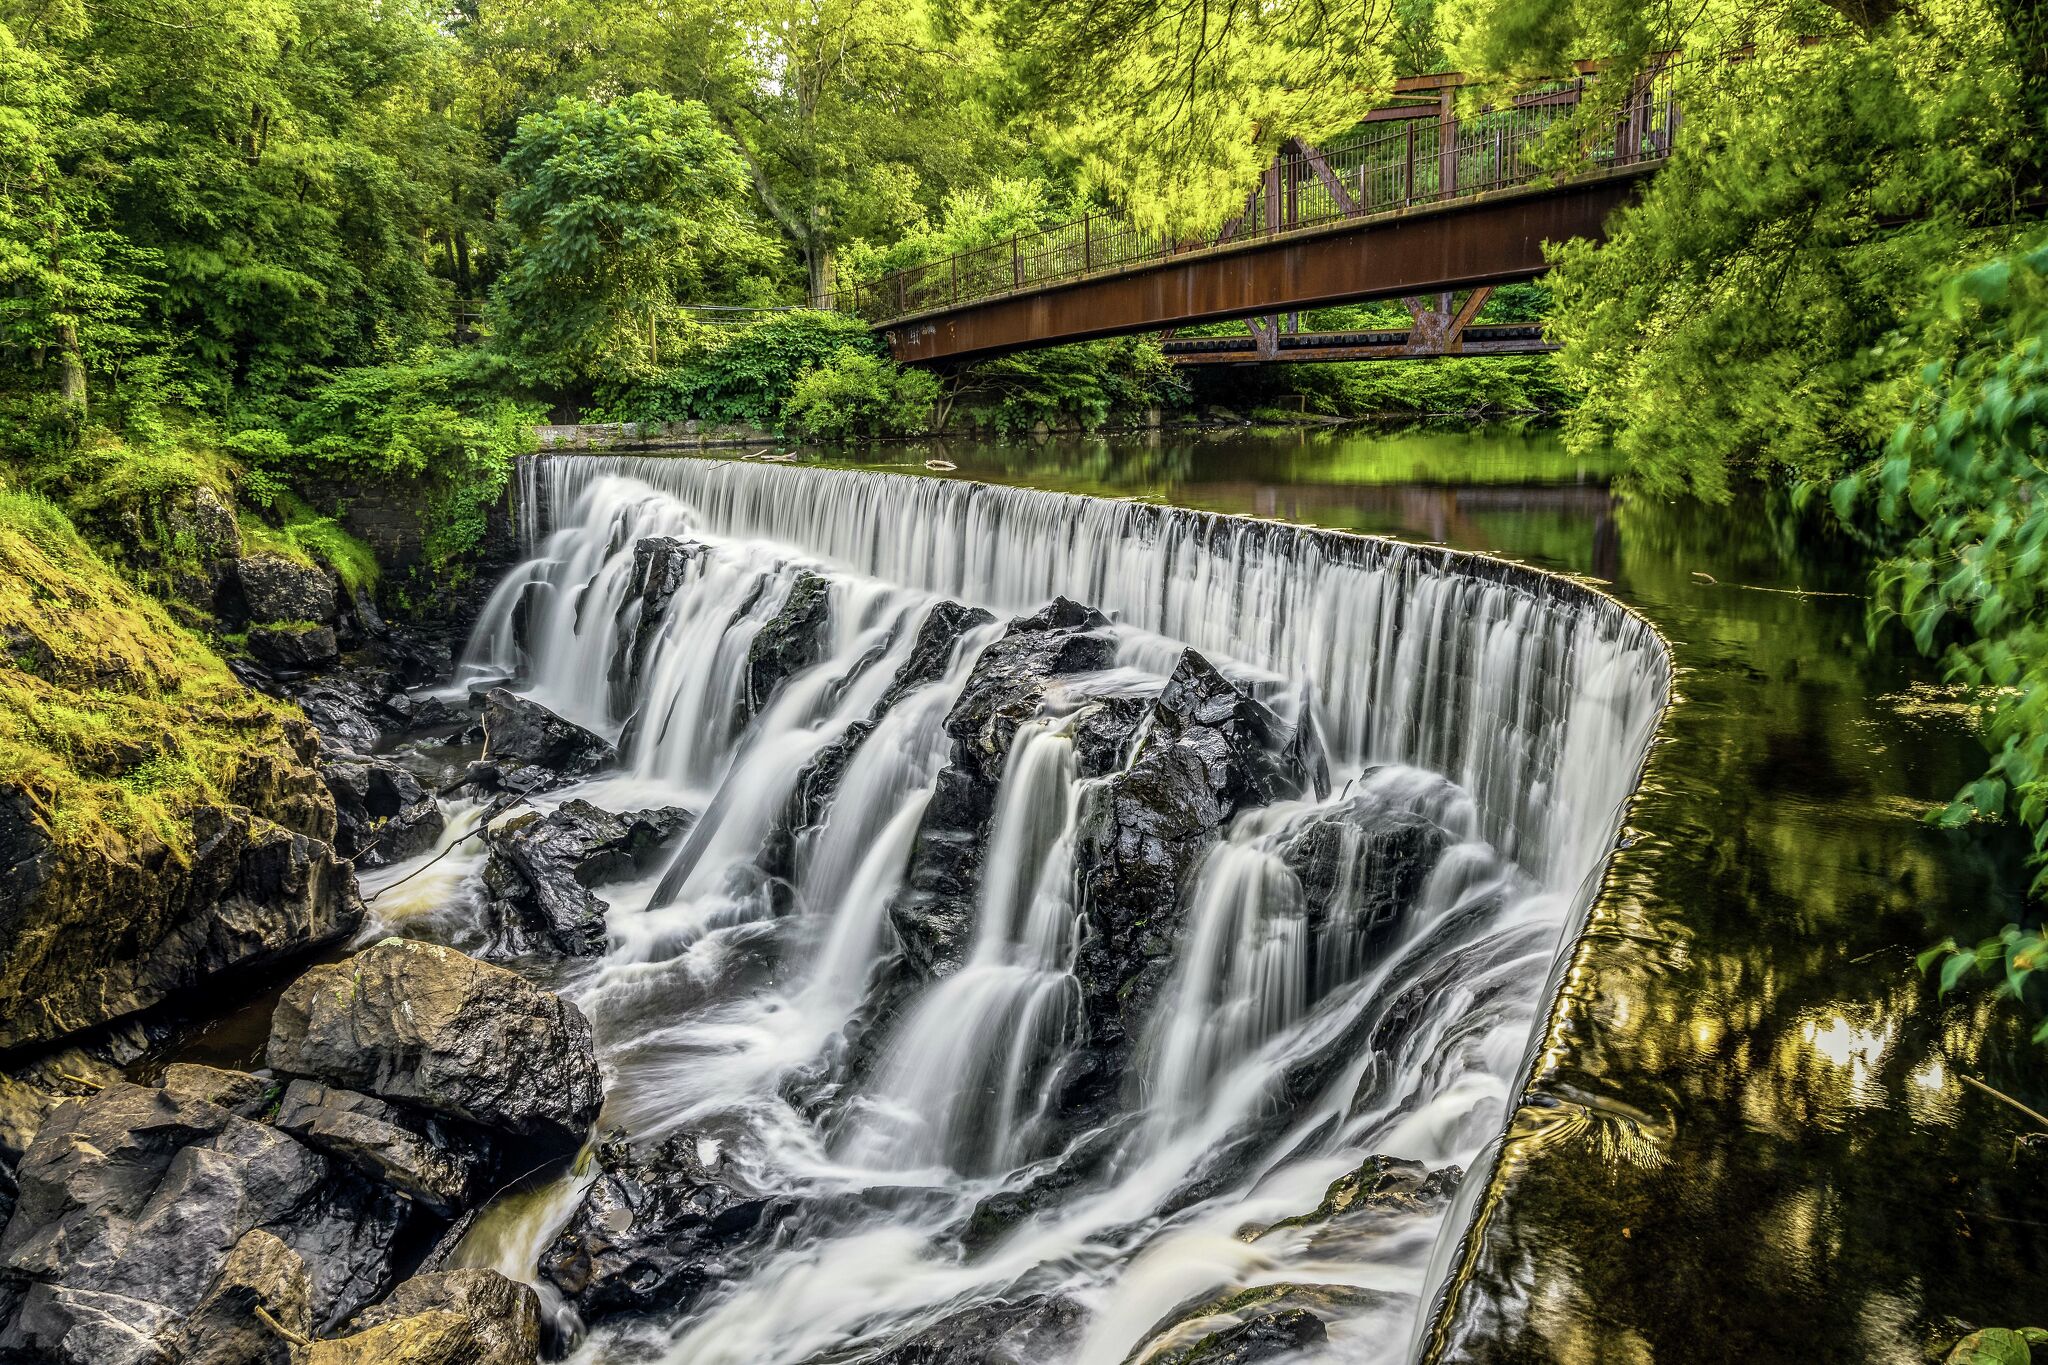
482 827
1998 1094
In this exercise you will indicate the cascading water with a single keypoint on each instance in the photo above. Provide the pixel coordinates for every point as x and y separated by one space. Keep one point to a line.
1331 976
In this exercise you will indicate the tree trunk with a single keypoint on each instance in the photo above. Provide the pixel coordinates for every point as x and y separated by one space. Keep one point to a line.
818 262
70 368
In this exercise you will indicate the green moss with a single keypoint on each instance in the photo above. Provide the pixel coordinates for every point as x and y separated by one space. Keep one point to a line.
114 719
306 537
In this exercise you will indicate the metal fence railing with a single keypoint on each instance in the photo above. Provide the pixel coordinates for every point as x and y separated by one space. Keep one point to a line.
1416 156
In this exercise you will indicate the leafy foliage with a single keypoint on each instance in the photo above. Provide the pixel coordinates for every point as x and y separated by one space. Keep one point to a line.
617 212
1079 385
857 393
429 424
973 218
1965 481
742 374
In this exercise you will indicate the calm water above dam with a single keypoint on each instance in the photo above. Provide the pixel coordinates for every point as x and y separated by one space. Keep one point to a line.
1748 1138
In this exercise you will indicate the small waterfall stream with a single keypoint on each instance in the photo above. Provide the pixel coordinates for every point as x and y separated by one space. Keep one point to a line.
1351 967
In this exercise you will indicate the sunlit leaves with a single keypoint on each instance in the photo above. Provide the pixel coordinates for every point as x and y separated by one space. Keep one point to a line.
617 212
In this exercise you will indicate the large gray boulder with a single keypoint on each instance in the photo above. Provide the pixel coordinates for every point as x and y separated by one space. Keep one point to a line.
132 1203
432 1028
261 1272
440 1169
451 1317
277 589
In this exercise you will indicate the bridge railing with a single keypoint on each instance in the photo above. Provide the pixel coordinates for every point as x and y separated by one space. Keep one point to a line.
1414 156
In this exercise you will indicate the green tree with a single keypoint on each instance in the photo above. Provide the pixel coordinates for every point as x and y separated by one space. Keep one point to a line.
617 210
69 287
1746 313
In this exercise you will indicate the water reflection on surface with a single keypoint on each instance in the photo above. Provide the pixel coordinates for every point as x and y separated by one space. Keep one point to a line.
1747 1136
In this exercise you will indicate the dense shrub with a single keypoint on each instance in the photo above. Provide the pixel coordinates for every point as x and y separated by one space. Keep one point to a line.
742 374
1965 481
1079 385
433 424
857 394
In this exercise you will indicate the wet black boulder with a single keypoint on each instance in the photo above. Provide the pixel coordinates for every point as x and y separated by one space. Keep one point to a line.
791 641
519 733
386 814
658 569
542 870
1212 750
653 1231
934 917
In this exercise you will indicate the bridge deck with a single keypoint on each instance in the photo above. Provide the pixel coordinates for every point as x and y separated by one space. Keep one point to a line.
1423 201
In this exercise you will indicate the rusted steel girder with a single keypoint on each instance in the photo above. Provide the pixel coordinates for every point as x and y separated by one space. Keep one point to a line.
1378 344
1490 239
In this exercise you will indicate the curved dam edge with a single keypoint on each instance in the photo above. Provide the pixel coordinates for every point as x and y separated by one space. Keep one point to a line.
1588 605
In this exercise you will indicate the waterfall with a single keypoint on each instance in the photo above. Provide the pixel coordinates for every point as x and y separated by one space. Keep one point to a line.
1345 969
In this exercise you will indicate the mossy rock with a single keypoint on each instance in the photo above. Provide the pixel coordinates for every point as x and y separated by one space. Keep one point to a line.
131 761
1179 1338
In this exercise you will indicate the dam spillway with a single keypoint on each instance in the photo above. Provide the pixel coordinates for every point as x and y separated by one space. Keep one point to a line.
1075 890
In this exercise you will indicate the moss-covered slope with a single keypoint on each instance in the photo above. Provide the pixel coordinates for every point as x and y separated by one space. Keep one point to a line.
131 762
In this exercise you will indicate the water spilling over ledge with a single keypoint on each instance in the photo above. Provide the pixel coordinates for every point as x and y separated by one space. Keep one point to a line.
1038 976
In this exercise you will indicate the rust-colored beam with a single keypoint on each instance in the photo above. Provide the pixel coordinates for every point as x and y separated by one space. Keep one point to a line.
1490 239
1372 344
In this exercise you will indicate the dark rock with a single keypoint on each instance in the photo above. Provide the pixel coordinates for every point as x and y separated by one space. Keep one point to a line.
653 1230
1267 1337
1210 751
522 733
420 1157
499 1324
89 935
1023 1331
238 1092
141 1195
933 919
22 1110
294 646
791 641
1252 1324
1381 1185
542 869
996 1215
432 1028
261 1272
277 589
1361 864
931 653
1103 733
1263 759
658 570
348 712
385 813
